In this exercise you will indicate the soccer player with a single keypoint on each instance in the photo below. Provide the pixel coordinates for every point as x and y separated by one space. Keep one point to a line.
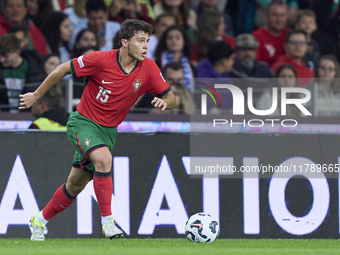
115 80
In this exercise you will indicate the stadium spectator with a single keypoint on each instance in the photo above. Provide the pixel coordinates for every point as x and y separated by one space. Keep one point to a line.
20 32
271 37
85 38
121 10
50 62
217 65
219 62
246 64
211 5
325 89
17 68
48 114
306 21
285 76
186 17
296 48
162 22
174 46
14 13
58 32
184 102
106 30
78 18
210 28
39 10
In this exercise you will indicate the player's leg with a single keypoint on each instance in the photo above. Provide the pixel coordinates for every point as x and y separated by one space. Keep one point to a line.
103 186
62 198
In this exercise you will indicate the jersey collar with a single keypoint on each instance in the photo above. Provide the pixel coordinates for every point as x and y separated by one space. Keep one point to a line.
120 66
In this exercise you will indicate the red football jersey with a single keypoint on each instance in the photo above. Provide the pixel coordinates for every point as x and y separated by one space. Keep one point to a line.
271 47
110 91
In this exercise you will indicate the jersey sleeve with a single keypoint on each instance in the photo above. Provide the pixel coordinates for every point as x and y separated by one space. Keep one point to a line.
158 84
86 65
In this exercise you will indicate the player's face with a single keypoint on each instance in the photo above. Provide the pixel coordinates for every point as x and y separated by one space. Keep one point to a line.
10 59
97 20
15 11
175 41
277 17
138 45
65 30
88 39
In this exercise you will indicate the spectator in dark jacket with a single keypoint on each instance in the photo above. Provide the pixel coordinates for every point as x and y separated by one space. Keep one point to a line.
246 65
17 68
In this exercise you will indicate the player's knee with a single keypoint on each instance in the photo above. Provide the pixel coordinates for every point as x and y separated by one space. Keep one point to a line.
103 164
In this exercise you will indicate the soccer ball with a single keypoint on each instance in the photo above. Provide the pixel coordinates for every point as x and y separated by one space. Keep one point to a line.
202 228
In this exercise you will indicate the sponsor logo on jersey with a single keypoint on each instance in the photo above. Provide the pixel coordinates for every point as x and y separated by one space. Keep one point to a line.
107 82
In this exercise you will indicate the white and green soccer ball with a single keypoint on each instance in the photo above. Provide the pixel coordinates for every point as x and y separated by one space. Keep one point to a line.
202 228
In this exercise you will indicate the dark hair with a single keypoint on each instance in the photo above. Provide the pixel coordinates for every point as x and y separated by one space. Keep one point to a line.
44 10
95 5
285 66
219 50
78 52
163 15
307 13
6 2
276 2
183 11
173 65
9 44
48 56
294 32
80 35
51 30
51 98
161 46
18 28
132 26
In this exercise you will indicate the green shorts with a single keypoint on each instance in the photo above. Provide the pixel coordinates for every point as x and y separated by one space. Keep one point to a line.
87 136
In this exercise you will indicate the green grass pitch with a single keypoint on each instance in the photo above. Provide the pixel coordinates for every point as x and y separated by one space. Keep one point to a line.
164 246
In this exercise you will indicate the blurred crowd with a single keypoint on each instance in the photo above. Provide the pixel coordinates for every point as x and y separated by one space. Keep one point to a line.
248 43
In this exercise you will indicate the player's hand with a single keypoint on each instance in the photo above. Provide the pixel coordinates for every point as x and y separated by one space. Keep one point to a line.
27 100
157 102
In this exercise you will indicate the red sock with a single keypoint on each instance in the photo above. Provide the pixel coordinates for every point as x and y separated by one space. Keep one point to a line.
103 187
60 200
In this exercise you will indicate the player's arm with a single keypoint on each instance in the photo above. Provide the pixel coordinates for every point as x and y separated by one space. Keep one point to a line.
166 102
28 99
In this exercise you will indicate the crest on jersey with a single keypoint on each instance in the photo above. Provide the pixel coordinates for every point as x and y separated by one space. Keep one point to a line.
87 142
137 84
